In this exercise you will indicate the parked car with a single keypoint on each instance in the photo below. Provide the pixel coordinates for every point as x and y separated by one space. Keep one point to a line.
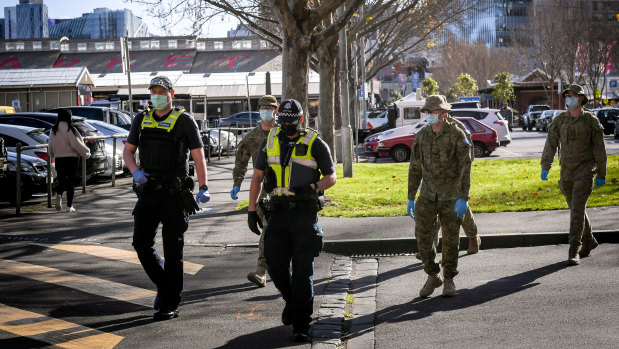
95 164
533 112
105 103
227 140
112 130
398 144
241 120
545 119
211 145
468 104
27 136
109 115
33 178
608 118
489 117
376 118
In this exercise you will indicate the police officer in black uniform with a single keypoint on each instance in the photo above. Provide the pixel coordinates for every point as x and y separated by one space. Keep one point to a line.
164 136
290 162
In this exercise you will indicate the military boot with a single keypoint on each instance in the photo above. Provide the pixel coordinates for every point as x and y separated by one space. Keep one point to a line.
573 258
432 283
587 246
258 277
474 244
449 287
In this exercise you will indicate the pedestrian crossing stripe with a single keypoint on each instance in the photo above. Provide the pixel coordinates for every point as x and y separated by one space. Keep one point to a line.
84 283
116 254
54 331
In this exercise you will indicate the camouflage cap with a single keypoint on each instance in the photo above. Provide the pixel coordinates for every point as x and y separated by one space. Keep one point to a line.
436 102
268 101
577 89
162 81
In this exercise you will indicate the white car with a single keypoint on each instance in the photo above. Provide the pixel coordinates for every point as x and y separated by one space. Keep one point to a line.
489 117
227 140
27 136
376 118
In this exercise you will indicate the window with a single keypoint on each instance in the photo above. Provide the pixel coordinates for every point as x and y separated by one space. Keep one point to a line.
36 45
172 43
218 45
411 113
154 44
201 45
109 46
81 47
99 46
144 45
264 44
190 43
10 141
246 43
9 46
236 44
19 46
53 45
64 47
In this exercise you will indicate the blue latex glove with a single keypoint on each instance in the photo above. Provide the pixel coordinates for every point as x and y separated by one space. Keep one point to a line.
461 206
203 196
544 175
234 191
600 182
411 208
140 177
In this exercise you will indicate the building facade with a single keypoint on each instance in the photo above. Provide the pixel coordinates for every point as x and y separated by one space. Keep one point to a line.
27 20
102 23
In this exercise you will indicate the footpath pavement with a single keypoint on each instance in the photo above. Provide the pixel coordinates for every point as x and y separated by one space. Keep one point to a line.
518 297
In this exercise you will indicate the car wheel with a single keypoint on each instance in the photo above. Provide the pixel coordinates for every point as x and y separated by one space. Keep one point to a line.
400 153
479 150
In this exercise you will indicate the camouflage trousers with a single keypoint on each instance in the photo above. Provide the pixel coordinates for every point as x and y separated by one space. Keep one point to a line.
577 194
468 225
426 212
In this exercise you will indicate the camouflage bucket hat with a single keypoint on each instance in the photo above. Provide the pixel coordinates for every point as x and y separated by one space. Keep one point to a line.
268 101
162 81
436 102
577 89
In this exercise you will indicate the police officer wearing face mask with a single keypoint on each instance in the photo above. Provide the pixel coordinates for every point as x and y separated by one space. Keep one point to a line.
580 136
441 156
290 162
248 148
165 136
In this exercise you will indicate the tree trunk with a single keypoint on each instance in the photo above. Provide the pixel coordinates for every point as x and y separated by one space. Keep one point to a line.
295 64
327 59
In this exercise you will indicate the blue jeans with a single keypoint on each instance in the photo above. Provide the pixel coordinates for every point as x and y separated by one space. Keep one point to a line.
151 209
291 236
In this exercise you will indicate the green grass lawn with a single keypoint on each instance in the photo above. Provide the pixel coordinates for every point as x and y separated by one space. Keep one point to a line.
380 190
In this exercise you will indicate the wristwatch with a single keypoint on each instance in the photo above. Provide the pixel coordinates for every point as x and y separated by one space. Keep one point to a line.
204 187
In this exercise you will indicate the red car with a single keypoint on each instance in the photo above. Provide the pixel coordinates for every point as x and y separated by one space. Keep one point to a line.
398 147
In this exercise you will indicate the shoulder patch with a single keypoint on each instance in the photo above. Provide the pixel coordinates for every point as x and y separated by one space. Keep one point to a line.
601 126
465 141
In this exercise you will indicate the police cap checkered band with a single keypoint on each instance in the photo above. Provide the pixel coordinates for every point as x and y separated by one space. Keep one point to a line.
290 111
162 81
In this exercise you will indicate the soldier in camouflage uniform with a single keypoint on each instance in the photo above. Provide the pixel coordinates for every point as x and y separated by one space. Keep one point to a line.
248 147
441 156
580 137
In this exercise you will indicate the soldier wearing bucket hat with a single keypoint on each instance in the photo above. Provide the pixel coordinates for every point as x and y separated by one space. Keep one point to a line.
441 156
248 148
290 163
580 136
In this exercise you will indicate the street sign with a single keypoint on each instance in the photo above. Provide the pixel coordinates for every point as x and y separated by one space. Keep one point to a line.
613 83
361 94
469 99
16 104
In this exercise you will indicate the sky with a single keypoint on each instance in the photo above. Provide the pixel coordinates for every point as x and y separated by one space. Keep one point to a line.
75 8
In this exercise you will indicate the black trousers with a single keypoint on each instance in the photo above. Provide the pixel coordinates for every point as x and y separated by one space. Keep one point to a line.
66 168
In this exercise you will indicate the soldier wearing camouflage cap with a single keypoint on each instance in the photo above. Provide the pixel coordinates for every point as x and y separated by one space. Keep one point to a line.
580 136
441 157
248 148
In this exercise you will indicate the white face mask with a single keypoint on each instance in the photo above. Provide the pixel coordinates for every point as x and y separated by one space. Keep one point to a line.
571 102
432 119
266 114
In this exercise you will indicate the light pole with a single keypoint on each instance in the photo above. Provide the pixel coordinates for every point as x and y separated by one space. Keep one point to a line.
248 101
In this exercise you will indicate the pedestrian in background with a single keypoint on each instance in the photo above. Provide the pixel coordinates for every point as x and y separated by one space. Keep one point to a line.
441 157
508 115
66 146
289 163
580 137
248 148
165 136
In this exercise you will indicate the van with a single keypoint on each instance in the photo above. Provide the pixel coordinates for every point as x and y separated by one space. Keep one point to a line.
408 111
6 110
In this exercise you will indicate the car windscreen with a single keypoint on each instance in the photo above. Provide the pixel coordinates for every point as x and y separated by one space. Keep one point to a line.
38 136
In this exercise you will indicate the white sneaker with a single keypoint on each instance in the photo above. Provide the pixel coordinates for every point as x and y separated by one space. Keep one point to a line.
58 202
70 209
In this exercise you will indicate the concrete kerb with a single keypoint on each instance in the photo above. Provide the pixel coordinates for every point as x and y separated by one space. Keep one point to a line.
391 246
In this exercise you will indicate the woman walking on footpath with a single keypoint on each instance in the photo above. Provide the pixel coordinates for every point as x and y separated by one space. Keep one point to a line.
66 146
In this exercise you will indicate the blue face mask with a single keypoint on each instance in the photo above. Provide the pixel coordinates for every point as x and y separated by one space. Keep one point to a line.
571 102
159 101
432 119
266 115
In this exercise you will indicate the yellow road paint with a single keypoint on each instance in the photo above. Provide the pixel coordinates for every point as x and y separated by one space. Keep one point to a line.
54 331
116 254
79 282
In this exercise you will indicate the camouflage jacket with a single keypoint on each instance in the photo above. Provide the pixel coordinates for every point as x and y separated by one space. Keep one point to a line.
581 143
248 147
443 161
